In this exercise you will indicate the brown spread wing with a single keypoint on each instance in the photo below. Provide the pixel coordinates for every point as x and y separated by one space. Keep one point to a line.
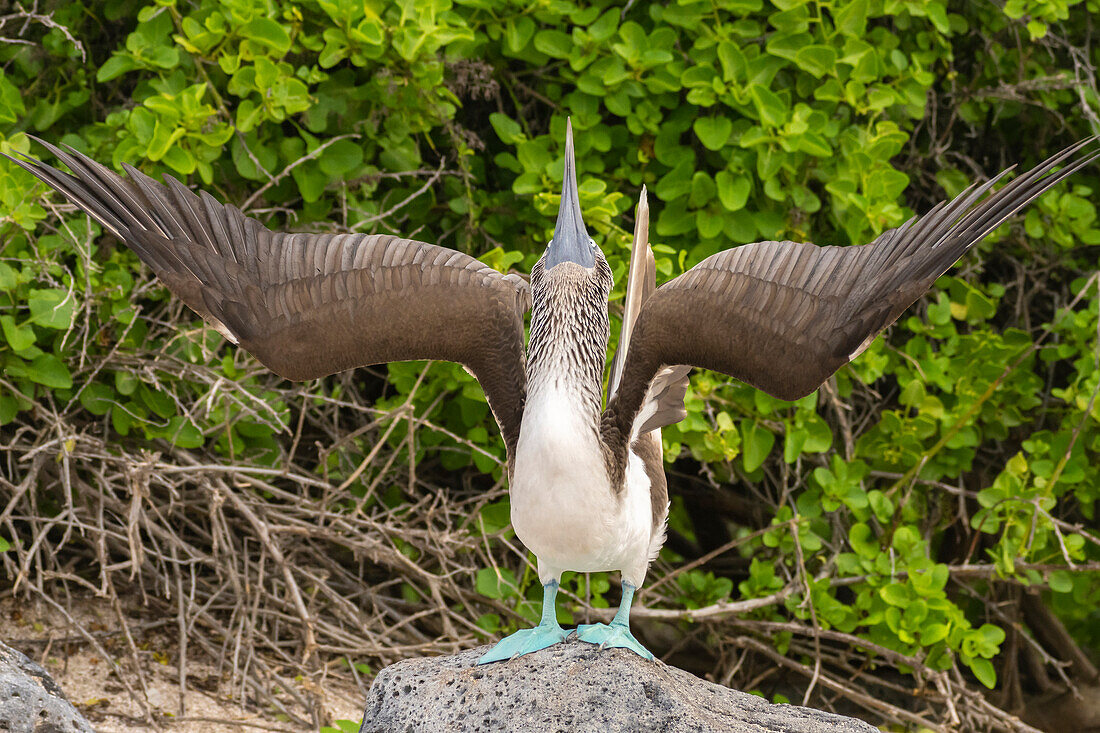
784 316
309 305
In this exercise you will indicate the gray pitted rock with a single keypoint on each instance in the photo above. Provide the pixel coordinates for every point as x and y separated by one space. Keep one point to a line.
30 701
573 688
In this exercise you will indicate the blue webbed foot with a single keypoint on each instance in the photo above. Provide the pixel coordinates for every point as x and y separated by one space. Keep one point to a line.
523 642
617 633
612 635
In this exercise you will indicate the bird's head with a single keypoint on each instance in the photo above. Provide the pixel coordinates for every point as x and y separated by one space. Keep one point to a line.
572 254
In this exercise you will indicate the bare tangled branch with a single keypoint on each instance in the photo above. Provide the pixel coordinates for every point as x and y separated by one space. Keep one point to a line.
23 18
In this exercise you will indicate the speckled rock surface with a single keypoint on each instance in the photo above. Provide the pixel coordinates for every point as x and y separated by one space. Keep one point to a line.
573 688
30 701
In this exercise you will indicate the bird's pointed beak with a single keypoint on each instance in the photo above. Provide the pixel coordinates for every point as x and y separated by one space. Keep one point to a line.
571 242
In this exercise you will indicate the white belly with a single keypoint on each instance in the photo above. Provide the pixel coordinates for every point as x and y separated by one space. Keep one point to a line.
563 507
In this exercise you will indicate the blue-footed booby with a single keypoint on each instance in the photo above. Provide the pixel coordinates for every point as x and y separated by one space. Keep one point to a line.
587 485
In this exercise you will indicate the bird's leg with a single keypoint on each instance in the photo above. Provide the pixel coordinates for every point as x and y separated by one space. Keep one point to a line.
617 633
525 641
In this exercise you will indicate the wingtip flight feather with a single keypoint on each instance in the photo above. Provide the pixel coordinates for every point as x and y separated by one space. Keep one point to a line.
639 284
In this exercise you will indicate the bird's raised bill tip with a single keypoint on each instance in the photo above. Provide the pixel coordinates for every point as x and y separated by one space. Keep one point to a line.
643 199
569 161
571 242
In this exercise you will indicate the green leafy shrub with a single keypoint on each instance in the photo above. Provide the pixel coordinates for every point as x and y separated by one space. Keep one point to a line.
950 467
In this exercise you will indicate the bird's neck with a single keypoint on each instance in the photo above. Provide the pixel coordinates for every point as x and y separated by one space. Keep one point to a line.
568 347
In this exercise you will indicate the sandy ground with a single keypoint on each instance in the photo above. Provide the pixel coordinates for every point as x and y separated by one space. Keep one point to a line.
210 703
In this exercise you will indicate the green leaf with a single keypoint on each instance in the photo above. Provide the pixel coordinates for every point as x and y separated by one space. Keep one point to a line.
819 437
733 191
939 312
794 440
125 383
8 277
507 129
534 155
340 158
52 308
702 190
47 370
708 223
817 60
756 443
370 32
183 433
1036 29
605 26
896 594
158 401
983 670
311 181
249 115
267 32
674 220
770 106
9 408
933 633
554 43
1061 581
11 101
863 541
97 398
992 637
937 13
851 20
793 20
18 337
518 32
162 56
496 516
713 132
769 224
814 144
492 583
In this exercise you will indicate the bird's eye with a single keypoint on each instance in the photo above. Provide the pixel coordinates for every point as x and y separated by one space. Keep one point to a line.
592 242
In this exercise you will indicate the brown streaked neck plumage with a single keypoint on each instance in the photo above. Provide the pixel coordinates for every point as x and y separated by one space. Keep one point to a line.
569 332
569 323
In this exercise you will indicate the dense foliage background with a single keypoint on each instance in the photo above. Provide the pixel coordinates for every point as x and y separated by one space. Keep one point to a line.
916 543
